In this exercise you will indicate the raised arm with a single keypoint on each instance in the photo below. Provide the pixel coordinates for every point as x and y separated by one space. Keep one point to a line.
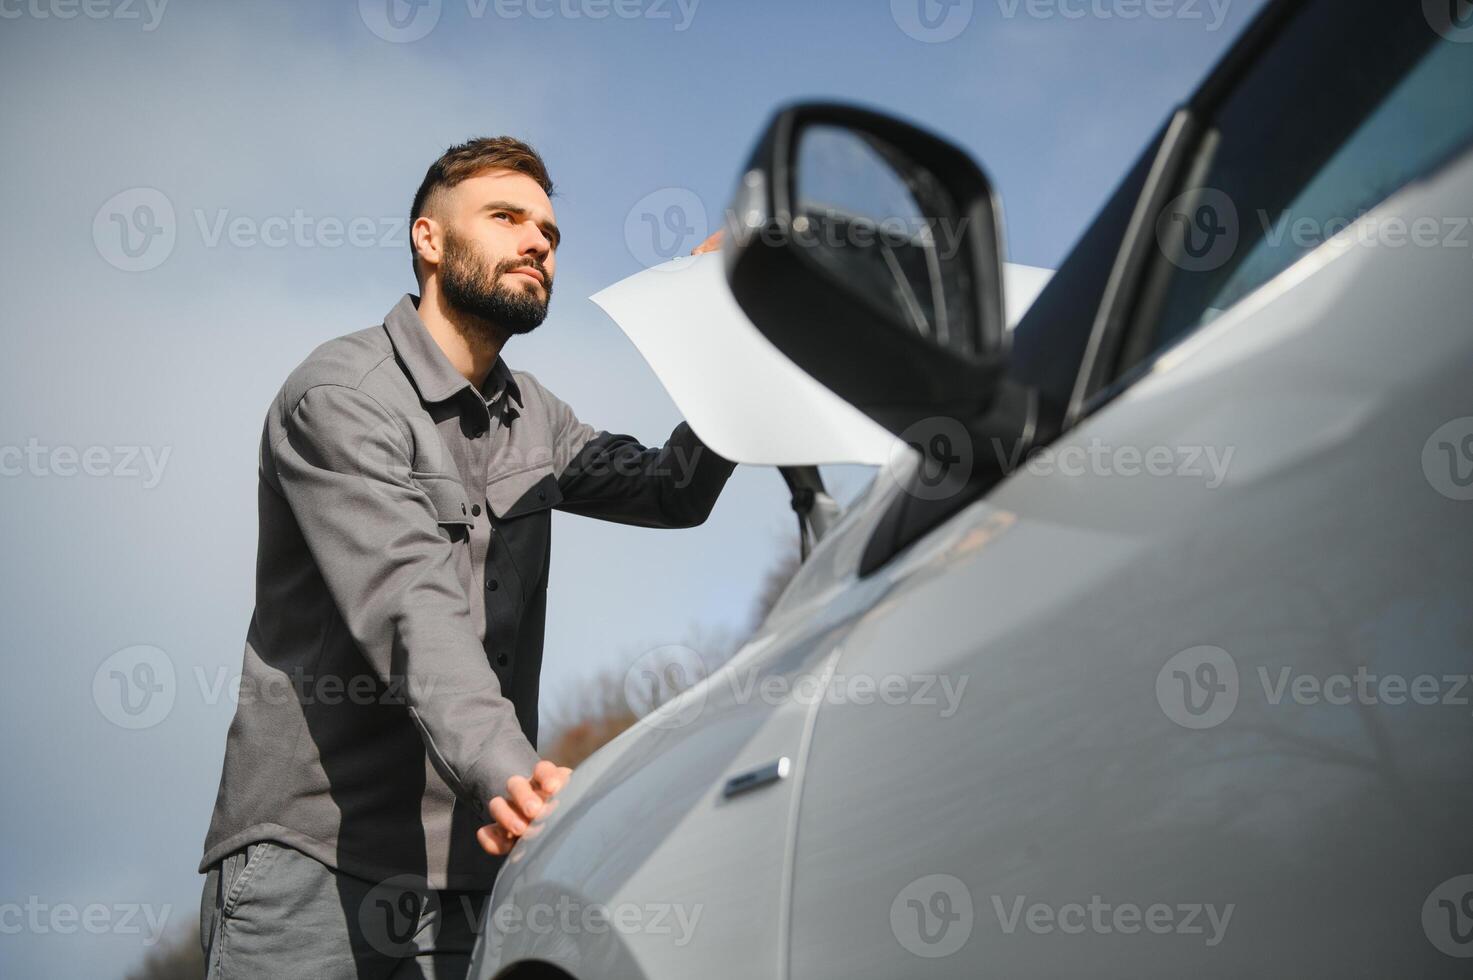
615 478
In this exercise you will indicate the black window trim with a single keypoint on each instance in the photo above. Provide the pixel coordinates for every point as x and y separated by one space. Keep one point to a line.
1132 264
1099 380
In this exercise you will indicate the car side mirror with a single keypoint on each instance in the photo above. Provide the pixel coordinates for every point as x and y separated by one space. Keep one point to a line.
869 252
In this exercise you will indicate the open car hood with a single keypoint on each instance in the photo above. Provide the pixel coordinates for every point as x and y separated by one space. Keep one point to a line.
740 394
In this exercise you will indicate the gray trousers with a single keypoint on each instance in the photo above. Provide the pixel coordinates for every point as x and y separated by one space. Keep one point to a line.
271 911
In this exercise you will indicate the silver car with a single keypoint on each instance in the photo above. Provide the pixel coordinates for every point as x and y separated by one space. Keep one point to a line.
1147 650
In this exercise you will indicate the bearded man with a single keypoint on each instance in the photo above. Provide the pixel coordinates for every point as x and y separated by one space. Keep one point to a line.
382 757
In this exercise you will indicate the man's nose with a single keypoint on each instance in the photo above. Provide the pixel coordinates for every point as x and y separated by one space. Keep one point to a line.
535 243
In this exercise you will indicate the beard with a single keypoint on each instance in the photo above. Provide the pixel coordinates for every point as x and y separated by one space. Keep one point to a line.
481 295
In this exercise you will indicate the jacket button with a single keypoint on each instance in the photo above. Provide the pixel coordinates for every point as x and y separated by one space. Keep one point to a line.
541 494
501 659
491 585
476 510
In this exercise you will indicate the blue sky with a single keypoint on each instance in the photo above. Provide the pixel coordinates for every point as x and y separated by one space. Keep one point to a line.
269 131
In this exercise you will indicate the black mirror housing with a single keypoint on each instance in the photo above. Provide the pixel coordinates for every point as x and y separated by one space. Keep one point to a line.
869 251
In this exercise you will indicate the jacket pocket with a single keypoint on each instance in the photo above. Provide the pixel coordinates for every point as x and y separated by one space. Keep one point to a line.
524 492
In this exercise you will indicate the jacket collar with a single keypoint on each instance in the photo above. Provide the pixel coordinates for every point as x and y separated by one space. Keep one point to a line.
434 377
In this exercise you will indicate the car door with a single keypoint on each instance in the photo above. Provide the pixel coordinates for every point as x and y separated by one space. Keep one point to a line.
669 849
1188 693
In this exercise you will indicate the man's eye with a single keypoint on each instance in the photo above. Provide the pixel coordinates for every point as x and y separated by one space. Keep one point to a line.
502 214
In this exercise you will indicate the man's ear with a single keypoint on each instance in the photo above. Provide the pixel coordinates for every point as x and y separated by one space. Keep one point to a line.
428 239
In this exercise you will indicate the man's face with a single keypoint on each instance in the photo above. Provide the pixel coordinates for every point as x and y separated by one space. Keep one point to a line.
497 242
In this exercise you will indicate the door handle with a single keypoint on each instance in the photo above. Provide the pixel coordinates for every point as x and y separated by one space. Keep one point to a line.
756 778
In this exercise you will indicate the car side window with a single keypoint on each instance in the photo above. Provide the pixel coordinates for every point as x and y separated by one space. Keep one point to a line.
1333 117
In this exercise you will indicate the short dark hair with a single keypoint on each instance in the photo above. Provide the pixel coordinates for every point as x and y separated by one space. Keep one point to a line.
471 159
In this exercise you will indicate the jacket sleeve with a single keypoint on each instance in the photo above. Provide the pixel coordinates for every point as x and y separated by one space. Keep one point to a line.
614 478
342 462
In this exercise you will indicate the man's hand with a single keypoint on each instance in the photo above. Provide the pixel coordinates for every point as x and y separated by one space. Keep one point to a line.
711 244
514 812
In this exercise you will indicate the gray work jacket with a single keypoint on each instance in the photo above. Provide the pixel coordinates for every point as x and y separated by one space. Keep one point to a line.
390 678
